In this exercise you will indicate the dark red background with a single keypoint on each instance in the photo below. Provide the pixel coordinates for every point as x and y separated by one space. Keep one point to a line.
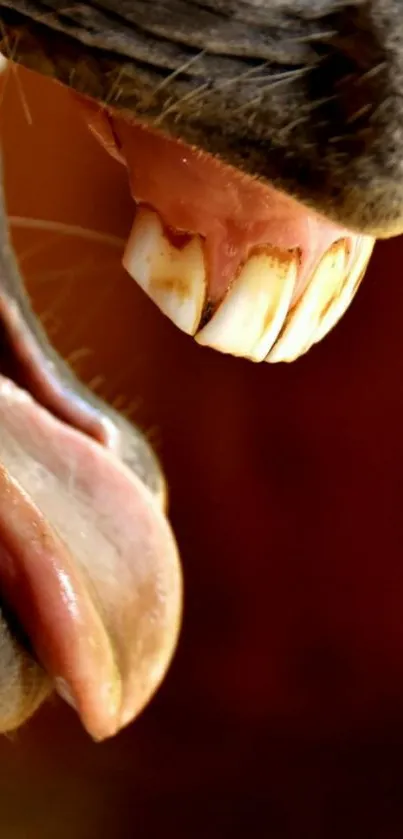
282 715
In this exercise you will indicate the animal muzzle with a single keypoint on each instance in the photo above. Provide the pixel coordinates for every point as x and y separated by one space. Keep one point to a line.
262 149
262 146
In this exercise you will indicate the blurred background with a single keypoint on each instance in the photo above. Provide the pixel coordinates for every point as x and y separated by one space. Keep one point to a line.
282 714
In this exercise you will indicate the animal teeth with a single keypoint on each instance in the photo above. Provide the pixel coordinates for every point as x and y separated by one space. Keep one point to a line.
340 304
174 278
306 316
256 319
251 315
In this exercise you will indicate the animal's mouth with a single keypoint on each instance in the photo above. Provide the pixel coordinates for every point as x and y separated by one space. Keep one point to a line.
234 262
89 567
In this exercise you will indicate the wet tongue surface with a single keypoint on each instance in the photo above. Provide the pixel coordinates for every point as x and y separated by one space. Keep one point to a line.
89 565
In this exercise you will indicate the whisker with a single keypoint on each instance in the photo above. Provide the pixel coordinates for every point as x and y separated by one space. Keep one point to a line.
373 71
12 68
9 55
23 98
131 409
248 74
153 436
273 82
191 95
50 323
78 355
119 402
277 79
185 66
29 253
249 104
96 383
114 88
71 273
68 275
46 316
366 109
67 230
92 314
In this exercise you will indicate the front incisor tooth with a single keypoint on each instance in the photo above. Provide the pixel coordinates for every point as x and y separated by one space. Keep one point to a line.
251 315
306 315
355 274
174 278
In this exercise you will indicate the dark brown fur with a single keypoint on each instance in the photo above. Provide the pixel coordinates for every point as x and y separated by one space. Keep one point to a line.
305 93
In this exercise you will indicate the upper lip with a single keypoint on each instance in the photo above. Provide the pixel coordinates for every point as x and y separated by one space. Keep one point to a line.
279 99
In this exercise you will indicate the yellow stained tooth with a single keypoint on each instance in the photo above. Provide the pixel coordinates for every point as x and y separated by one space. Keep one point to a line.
351 286
251 315
174 278
305 317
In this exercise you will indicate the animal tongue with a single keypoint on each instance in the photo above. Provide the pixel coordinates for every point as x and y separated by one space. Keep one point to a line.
88 564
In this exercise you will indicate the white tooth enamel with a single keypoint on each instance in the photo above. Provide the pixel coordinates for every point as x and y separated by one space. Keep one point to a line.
174 278
306 315
251 315
341 303
3 62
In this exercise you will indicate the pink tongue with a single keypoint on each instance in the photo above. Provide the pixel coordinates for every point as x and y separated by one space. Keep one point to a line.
88 564
196 193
